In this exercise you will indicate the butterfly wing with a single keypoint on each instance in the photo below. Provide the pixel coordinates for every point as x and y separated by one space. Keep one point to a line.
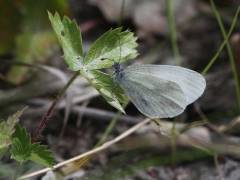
192 83
154 97
161 91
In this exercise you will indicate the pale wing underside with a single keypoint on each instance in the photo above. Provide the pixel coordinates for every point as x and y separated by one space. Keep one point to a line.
191 82
155 97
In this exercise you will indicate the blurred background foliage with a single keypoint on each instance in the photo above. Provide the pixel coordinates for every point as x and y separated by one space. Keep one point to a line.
27 33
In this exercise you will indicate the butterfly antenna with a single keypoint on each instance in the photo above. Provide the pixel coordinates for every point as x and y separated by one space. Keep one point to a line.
120 47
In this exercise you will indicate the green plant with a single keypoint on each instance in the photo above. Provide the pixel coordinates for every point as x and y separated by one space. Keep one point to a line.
101 55
12 134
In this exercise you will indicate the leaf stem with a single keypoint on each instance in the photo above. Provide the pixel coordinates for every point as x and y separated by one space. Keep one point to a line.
43 122
17 170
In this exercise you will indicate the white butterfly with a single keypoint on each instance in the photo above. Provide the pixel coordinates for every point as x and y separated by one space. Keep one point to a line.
160 91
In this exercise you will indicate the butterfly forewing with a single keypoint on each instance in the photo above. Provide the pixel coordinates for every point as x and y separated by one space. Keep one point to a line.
191 82
153 96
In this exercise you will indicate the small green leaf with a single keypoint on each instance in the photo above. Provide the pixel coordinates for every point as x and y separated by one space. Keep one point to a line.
21 145
7 129
22 150
111 47
104 84
41 155
69 36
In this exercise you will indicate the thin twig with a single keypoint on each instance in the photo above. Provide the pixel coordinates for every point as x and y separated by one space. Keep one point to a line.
217 166
43 122
205 119
89 112
80 114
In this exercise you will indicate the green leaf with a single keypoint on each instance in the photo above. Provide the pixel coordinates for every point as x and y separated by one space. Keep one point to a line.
104 84
107 49
21 145
22 150
7 129
69 37
111 47
41 155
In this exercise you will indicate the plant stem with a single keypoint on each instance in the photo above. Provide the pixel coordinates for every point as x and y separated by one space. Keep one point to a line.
222 45
17 170
121 14
235 73
43 122
173 141
110 127
173 35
